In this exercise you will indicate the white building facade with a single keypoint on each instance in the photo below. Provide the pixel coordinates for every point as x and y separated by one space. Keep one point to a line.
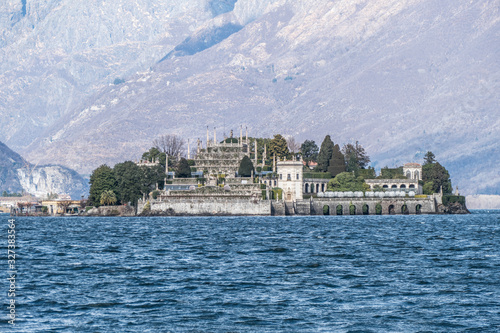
290 179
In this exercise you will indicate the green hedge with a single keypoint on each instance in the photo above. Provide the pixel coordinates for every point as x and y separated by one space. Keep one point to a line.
449 199
277 193
320 175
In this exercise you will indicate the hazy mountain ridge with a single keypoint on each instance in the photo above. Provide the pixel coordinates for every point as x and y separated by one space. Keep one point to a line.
401 77
18 175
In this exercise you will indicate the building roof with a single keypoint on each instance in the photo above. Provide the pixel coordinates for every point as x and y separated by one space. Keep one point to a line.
412 165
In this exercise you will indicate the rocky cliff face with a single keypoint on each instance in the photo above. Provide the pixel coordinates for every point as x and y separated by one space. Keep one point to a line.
53 179
17 175
402 77
9 163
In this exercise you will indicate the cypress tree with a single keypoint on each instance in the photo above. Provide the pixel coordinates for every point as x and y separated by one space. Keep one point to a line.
325 154
246 167
337 162
183 169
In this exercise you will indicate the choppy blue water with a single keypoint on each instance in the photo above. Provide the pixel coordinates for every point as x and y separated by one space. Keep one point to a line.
256 274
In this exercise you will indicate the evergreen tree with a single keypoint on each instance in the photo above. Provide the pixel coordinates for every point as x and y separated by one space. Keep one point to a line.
128 178
183 169
246 167
429 158
278 147
309 150
436 174
355 157
325 154
102 179
151 155
150 176
337 162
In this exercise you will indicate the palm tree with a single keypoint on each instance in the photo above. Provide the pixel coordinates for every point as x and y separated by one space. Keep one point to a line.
108 198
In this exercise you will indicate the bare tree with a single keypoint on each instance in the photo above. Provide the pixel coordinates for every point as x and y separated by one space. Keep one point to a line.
64 205
172 145
293 145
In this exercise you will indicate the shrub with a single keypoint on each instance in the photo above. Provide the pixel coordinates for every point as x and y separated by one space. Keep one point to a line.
155 194
318 175
450 199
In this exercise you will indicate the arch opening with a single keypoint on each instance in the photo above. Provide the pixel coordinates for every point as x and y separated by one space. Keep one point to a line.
366 209
326 210
339 210
391 210
419 209
352 210
404 210
378 209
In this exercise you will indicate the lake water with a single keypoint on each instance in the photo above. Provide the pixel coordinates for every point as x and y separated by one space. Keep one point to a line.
256 274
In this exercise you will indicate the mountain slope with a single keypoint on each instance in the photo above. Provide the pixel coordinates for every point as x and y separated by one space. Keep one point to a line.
402 77
17 175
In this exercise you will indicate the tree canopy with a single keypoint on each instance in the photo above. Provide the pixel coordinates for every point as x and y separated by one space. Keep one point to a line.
151 155
429 158
278 147
108 198
325 154
355 157
337 162
346 181
128 177
172 145
102 179
309 150
183 169
246 167
434 176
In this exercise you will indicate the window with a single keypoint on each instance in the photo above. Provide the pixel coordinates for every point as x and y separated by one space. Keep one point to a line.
298 177
281 176
275 183
289 177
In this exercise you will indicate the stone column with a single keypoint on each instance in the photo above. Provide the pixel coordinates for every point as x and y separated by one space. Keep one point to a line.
255 152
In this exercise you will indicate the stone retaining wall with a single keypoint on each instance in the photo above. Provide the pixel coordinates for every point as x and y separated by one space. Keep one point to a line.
207 206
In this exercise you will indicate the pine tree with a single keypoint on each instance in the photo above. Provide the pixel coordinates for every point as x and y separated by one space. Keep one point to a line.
278 147
246 167
325 154
429 158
